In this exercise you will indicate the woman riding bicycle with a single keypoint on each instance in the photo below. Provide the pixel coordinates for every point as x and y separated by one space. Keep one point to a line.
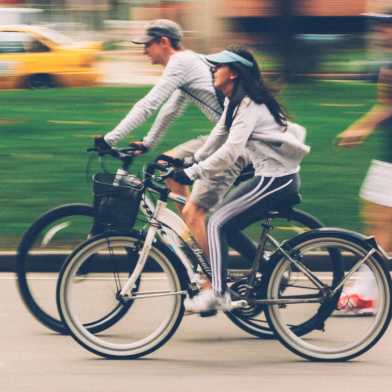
254 123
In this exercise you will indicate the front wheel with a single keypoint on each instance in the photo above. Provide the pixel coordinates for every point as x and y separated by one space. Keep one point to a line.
313 291
89 287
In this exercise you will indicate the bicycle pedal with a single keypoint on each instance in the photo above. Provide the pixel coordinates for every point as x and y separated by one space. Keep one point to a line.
239 304
192 289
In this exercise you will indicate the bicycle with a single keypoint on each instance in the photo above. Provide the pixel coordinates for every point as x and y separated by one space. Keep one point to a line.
297 295
55 233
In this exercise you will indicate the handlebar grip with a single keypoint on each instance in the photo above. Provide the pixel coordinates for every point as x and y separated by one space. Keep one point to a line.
176 162
151 168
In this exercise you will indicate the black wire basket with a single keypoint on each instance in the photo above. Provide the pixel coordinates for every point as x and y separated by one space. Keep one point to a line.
116 201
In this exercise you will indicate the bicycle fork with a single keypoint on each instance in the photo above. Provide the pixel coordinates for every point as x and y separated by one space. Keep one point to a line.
126 291
154 227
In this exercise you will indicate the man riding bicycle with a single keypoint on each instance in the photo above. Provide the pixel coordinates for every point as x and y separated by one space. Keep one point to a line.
187 78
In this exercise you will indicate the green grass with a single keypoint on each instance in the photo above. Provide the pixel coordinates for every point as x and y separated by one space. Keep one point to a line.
44 135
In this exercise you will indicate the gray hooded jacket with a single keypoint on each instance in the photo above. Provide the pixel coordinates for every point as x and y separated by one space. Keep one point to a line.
273 150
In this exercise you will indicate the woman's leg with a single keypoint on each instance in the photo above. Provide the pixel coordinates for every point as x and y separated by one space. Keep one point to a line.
244 206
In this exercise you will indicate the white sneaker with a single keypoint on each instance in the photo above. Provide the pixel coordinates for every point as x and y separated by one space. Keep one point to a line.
207 301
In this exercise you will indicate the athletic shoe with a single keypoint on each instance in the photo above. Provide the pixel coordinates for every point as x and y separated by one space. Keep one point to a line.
355 305
207 303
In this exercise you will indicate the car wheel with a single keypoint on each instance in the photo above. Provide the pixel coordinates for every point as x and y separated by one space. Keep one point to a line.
39 81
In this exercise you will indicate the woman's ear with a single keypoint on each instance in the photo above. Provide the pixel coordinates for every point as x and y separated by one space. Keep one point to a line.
233 75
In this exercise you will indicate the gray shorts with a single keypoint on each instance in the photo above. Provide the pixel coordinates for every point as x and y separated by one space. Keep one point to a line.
208 193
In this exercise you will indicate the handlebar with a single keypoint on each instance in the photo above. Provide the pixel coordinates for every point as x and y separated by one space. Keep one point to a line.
125 155
174 162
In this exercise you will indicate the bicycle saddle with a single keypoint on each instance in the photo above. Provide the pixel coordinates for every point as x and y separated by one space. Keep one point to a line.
285 205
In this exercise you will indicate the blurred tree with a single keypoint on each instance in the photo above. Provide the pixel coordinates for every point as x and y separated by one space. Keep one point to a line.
286 37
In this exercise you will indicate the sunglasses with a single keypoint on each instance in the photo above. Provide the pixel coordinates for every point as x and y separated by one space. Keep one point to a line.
149 43
215 67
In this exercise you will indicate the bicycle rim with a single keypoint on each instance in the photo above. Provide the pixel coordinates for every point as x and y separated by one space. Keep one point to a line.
343 336
286 225
41 253
142 329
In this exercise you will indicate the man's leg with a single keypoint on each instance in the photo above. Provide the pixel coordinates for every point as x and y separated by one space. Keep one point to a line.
182 151
195 218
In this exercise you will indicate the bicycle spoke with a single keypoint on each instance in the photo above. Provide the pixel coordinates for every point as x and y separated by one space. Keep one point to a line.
330 336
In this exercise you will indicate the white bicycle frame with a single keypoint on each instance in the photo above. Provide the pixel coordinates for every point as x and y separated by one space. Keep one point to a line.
173 231
176 233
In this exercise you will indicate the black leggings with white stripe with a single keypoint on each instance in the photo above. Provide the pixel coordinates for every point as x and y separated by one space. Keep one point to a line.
242 207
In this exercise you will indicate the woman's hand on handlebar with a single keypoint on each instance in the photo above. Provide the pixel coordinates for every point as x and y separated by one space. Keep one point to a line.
178 163
181 177
139 148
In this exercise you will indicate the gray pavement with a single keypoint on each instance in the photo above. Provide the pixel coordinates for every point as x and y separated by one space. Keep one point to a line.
204 354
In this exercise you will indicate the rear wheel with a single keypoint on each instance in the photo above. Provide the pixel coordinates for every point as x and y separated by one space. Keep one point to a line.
251 319
341 337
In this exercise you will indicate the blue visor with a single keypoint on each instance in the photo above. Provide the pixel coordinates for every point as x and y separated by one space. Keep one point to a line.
226 57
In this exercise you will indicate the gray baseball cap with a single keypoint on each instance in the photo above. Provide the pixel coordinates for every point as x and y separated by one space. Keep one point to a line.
159 28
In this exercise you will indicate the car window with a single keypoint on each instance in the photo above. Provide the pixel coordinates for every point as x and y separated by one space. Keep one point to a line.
57 37
36 46
12 42
20 42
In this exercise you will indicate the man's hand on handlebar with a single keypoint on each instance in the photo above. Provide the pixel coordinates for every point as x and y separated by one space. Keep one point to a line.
101 145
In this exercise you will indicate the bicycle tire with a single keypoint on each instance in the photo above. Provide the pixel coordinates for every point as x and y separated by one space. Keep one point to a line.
256 328
344 346
52 319
44 224
110 345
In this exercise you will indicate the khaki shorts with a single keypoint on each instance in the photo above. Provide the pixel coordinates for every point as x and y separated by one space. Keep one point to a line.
208 193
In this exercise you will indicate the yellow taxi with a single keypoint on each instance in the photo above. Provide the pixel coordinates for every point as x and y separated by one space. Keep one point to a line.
38 57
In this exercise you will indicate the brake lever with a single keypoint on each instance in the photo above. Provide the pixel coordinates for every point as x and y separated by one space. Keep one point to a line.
163 176
176 162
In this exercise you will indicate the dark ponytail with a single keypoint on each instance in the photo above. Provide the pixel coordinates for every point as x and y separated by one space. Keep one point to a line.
250 83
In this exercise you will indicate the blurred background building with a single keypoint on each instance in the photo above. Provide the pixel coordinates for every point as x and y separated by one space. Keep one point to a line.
295 36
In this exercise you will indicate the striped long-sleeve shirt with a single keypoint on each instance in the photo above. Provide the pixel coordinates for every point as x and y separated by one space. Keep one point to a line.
186 78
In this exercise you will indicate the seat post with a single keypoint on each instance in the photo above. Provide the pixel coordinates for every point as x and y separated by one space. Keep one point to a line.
259 260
